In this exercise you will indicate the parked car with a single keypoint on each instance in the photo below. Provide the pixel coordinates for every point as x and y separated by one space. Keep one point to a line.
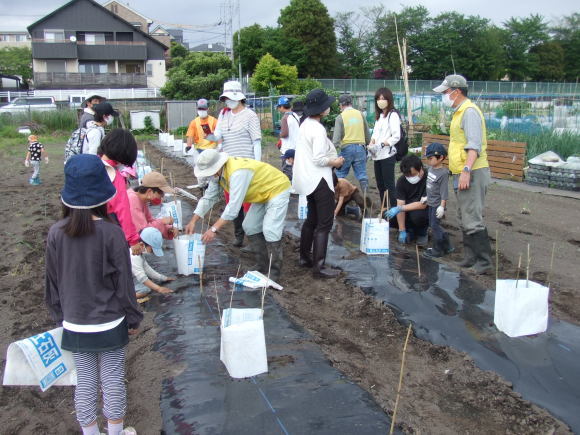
25 104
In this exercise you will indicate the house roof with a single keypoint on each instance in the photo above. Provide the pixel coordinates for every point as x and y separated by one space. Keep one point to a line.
215 47
159 29
115 16
149 20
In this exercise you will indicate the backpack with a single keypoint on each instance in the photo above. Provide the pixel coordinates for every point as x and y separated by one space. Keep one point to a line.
74 145
402 146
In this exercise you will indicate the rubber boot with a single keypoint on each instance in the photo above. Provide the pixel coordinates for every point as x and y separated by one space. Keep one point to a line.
306 239
276 251
319 257
437 251
257 243
447 247
468 252
482 249
238 232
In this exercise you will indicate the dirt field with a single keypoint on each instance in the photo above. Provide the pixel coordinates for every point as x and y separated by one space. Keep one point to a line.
360 336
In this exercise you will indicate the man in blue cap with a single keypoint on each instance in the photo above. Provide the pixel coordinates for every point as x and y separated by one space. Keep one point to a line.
289 125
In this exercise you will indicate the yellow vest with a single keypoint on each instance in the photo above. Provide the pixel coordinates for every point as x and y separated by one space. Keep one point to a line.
267 183
457 142
354 131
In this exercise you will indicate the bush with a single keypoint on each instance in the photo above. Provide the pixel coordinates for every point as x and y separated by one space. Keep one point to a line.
565 144
514 109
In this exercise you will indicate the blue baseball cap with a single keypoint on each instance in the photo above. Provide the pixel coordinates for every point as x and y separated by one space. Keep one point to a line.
152 236
283 101
435 149
289 154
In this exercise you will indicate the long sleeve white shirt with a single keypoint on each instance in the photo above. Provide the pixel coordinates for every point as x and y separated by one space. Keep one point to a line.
387 131
142 271
314 151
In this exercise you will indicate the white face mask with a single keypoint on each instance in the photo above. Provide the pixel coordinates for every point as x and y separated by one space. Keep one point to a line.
110 120
231 104
325 113
413 180
447 101
202 113
382 104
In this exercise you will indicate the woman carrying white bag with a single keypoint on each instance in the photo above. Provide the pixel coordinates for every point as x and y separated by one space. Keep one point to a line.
266 188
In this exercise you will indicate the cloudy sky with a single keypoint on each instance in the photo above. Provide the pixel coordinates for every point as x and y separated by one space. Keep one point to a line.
17 15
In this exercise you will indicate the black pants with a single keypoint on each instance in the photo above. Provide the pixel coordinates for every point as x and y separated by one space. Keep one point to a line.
385 175
320 213
417 222
238 221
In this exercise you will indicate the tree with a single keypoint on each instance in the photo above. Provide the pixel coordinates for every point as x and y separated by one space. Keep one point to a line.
521 35
548 59
354 59
197 75
308 21
270 75
16 61
567 34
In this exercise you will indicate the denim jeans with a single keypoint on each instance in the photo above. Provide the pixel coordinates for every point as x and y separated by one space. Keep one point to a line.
355 155
436 230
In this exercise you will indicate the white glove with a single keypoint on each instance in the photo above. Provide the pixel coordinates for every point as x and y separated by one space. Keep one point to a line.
374 148
440 212
27 163
46 160
424 200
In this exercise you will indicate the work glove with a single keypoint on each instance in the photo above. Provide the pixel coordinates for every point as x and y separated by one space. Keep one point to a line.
424 200
374 149
27 163
46 160
403 236
392 212
187 149
440 212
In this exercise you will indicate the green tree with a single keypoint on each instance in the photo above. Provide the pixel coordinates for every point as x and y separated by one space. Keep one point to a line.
197 75
16 61
309 22
271 76
521 35
567 33
353 49
548 59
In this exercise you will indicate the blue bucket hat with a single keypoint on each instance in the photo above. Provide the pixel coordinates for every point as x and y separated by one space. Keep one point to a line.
289 154
86 182
435 149
152 236
283 101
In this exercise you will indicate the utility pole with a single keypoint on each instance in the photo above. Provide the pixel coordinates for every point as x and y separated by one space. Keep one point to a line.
239 31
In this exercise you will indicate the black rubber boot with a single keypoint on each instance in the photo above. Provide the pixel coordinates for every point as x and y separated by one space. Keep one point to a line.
468 252
257 243
447 247
238 231
436 251
319 257
482 249
275 250
306 239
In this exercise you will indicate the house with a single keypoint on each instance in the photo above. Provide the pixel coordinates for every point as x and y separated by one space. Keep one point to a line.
161 35
14 38
85 45
211 48
177 36
137 20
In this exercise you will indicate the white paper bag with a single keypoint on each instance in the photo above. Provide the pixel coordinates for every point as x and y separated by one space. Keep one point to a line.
374 236
178 146
39 360
302 207
522 308
173 209
254 279
243 342
189 253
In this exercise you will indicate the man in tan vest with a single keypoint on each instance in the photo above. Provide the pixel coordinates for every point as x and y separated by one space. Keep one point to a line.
468 163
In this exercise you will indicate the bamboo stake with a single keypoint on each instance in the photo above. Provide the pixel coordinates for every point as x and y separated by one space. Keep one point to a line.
518 270
200 276
364 204
382 207
234 287
528 269
418 260
551 264
267 284
496 255
217 298
400 378
162 162
209 219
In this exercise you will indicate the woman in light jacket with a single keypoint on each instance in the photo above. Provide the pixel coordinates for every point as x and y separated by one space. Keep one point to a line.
386 135
314 159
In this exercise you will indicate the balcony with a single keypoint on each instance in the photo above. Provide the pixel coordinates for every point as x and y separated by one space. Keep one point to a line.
42 49
88 81
107 50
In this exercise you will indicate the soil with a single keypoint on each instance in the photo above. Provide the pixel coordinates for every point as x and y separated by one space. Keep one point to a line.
359 335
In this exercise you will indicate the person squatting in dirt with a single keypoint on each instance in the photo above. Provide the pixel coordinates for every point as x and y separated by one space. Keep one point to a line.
345 192
246 180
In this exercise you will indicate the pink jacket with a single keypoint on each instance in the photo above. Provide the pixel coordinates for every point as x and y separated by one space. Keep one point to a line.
120 206
142 216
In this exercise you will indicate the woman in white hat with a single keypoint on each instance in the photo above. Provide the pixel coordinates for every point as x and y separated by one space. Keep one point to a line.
238 128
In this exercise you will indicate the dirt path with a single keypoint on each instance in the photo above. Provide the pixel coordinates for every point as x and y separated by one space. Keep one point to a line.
27 212
363 339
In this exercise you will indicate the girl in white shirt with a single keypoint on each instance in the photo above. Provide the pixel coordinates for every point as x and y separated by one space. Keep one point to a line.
386 135
314 159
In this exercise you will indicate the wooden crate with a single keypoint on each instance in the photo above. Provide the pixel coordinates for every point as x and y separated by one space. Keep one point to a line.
506 159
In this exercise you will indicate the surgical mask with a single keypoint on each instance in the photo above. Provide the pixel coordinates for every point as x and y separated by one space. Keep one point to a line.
447 101
413 180
382 104
326 112
110 120
156 201
202 113
231 104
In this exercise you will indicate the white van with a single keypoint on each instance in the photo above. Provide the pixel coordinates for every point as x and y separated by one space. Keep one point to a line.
25 104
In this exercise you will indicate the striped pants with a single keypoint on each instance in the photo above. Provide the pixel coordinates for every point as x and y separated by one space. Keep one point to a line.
111 368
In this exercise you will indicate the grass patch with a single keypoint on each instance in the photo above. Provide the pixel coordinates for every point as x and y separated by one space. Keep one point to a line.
565 144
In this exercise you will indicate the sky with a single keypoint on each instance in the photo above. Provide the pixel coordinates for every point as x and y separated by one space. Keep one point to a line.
17 15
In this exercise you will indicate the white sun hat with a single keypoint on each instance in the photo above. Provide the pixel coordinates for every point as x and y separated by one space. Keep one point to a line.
233 91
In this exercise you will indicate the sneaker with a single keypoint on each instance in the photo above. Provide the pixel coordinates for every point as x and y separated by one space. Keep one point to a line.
422 240
128 431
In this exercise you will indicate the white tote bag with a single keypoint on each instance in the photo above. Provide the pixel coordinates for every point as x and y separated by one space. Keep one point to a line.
243 342
521 307
39 360
189 253
374 236
302 207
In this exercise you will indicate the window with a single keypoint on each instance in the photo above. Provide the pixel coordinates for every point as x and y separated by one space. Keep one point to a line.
94 38
136 24
149 70
21 38
93 68
133 68
114 9
54 35
56 66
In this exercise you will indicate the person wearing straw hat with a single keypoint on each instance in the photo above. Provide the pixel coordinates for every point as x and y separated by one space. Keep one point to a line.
89 291
202 126
313 163
266 188
470 169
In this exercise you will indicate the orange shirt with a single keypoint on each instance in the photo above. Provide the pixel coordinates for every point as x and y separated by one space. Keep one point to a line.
344 188
195 131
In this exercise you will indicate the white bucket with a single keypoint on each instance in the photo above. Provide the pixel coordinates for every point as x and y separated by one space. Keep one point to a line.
189 253
178 146
374 236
